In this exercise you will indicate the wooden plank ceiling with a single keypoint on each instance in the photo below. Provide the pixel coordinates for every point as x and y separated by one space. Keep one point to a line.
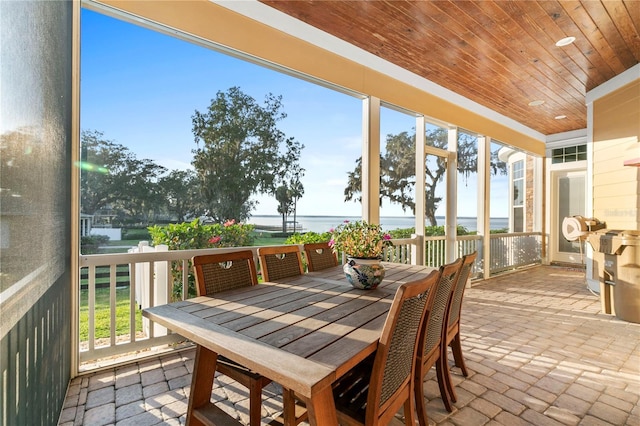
500 54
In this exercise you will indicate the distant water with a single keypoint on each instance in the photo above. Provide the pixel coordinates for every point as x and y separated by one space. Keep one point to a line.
324 223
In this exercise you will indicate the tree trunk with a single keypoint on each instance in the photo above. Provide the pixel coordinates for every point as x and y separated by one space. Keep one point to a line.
294 214
431 217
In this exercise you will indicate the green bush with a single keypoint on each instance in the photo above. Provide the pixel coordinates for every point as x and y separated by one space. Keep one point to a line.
140 234
90 244
280 234
308 238
196 235
429 231
402 233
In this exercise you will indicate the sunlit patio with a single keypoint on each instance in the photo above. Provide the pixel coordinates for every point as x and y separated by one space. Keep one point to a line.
538 348
554 82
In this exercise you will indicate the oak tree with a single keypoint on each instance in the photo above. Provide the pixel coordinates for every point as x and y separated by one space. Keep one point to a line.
181 194
112 177
397 170
241 152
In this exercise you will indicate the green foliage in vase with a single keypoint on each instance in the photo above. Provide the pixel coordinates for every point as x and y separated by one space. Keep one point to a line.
359 239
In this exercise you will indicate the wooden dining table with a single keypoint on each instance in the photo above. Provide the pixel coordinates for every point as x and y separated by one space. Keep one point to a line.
303 332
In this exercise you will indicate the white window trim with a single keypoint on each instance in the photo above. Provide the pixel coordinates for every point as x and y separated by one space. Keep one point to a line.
512 217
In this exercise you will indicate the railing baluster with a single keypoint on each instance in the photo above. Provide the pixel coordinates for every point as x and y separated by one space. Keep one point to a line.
92 307
169 289
112 303
132 302
185 279
151 289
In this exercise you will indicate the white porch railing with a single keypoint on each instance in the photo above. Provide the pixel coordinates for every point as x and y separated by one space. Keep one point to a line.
142 289
143 278
401 252
515 250
435 254
507 250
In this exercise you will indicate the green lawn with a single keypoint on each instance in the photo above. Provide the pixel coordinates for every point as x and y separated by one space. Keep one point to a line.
264 239
103 315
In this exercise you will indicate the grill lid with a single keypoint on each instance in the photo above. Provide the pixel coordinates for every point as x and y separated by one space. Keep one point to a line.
613 241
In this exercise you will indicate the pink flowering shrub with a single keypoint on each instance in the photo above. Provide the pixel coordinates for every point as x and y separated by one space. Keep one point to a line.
196 235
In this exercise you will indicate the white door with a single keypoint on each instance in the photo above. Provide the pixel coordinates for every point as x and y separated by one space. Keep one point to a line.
569 193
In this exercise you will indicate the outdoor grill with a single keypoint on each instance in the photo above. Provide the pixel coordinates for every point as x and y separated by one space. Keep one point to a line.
616 257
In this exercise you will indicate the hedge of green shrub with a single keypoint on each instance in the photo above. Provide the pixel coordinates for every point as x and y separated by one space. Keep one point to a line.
196 235
90 244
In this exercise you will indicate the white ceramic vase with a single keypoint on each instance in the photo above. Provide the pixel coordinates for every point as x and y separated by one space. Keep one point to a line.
364 274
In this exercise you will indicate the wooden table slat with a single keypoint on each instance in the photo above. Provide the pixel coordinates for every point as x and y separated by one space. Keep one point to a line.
249 306
317 339
302 325
291 371
353 347
290 318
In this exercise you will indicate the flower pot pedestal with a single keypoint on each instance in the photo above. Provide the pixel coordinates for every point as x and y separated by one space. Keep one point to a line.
364 274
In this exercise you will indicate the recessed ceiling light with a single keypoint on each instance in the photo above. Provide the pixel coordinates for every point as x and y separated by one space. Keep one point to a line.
560 117
565 41
536 103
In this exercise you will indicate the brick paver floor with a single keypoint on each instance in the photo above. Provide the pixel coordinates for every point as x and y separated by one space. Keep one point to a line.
538 349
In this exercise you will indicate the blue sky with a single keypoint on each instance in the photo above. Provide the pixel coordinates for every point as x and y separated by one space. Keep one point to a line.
140 88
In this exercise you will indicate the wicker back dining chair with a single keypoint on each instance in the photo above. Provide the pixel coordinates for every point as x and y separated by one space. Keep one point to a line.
431 339
373 391
278 262
452 335
227 271
319 256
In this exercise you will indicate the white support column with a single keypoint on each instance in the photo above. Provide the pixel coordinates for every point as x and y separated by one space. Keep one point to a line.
538 194
421 175
538 206
451 220
371 159
484 205
592 283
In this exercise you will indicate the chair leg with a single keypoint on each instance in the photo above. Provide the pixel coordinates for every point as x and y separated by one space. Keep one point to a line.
456 346
421 408
442 373
409 415
450 389
255 403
